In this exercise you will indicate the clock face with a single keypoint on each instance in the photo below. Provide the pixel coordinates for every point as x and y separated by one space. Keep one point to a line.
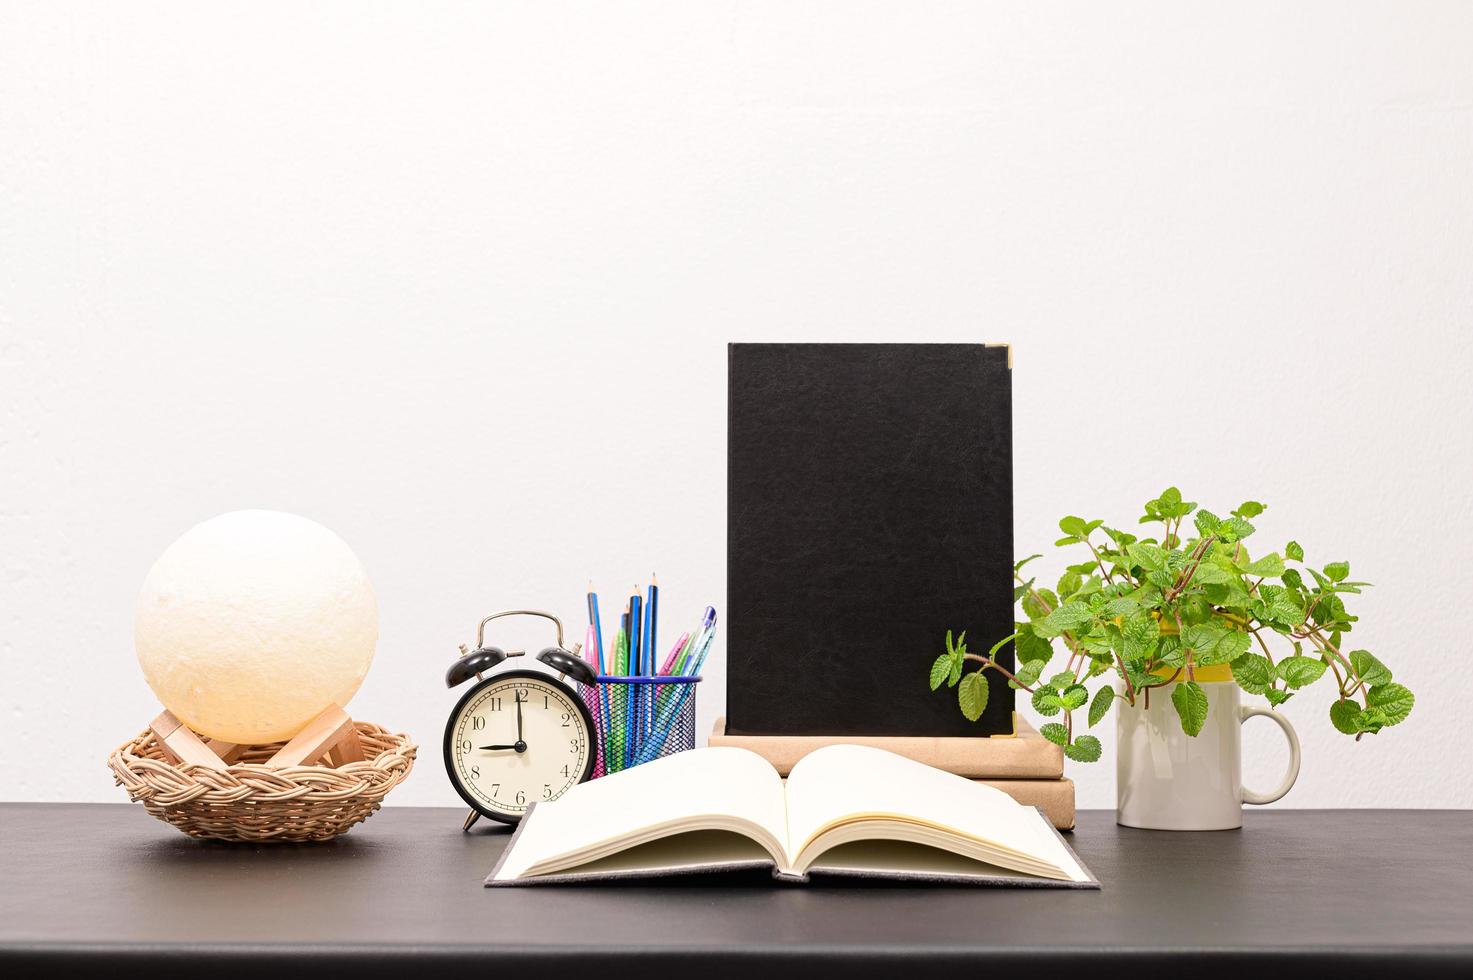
516 739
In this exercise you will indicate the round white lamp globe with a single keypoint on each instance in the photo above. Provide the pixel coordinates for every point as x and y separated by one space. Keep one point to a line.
253 623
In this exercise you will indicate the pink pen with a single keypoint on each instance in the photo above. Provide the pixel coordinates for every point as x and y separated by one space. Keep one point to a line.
674 652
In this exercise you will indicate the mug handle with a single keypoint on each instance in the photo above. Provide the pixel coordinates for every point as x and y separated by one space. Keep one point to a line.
1249 796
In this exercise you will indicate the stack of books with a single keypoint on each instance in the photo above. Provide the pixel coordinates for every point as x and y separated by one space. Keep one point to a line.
1026 766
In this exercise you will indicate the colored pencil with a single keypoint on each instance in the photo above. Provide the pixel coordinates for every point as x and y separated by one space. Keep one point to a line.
651 624
598 629
636 665
604 667
614 754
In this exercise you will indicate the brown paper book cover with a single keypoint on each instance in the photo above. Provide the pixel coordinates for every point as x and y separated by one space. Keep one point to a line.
1055 797
1026 755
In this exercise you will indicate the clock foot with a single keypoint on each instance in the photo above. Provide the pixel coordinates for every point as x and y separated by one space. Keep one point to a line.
470 821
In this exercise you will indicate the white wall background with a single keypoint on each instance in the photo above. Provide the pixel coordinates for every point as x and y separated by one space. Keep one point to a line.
457 280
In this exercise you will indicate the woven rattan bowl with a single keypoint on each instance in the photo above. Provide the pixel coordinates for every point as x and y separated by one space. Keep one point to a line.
251 802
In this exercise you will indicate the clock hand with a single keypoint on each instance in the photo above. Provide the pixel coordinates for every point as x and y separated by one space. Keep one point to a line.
496 748
519 719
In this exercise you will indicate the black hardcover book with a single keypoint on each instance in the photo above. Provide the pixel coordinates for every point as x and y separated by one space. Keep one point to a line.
869 510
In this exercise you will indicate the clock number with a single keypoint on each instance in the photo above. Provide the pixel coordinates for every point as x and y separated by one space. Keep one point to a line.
567 716
478 723
547 791
574 745
545 704
566 773
495 789
521 796
475 772
465 745
522 694
493 704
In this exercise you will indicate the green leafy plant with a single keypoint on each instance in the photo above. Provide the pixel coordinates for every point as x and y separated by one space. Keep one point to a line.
1153 611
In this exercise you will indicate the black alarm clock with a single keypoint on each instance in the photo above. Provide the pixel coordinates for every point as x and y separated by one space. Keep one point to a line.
519 736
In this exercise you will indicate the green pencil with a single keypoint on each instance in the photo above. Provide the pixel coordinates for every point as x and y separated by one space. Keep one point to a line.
614 723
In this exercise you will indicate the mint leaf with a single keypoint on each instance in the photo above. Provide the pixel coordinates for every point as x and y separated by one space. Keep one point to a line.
1394 700
1369 669
1031 647
1075 527
1046 701
1298 671
1345 716
1276 697
1372 720
1100 705
1234 529
1075 696
1294 551
1055 733
1061 680
940 669
1213 643
1028 673
1191 706
1268 566
1253 673
972 695
1148 556
1207 522
1250 508
1229 648
1066 617
1123 606
1086 748
1336 571
1212 575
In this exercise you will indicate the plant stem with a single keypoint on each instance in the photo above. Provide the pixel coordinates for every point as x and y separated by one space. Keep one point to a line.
1068 641
1266 654
989 662
1099 561
1198 554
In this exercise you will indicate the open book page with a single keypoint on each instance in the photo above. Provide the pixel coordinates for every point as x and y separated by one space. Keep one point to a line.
724 789
846 793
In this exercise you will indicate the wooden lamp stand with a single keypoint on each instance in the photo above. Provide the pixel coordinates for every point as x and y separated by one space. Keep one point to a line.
330 737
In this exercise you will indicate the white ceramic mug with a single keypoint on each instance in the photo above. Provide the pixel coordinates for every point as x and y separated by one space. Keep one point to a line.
1167 780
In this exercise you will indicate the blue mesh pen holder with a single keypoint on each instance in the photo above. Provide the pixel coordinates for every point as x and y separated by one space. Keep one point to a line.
641 719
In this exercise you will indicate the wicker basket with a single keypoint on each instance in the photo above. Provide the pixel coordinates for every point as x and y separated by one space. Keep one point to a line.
250 802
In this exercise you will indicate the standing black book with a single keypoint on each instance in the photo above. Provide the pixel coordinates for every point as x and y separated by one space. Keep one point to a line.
869 510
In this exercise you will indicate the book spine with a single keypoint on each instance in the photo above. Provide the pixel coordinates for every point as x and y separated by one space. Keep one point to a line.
1055 797
1028 755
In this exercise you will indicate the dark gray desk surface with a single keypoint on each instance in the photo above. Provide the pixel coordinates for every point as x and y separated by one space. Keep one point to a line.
1347 893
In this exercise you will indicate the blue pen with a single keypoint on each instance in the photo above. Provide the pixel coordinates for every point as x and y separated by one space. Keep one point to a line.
651 645
636 667
708 623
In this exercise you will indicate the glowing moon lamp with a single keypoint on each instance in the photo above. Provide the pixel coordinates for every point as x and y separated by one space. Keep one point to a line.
253 622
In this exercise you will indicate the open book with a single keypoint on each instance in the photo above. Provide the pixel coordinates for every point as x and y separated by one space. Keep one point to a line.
844 810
